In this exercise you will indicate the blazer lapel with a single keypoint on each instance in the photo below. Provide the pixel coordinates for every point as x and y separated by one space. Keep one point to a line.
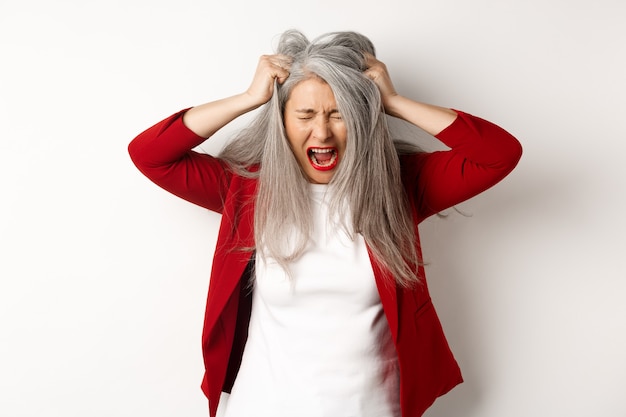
234 248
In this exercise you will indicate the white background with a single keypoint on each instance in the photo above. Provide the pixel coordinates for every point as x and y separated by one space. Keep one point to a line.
104 276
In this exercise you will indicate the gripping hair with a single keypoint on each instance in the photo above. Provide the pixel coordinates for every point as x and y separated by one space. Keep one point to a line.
367 187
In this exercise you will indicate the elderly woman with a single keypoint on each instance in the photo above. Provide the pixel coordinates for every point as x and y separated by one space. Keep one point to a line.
318 304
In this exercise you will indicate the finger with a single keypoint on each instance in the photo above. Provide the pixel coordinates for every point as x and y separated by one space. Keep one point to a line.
275 67
374 72
370 59
282 75
282 65
275 60
282 61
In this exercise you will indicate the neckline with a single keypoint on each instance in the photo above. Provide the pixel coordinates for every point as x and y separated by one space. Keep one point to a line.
318 187
319 191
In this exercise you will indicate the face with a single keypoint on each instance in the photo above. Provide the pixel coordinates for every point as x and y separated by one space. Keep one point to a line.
315 129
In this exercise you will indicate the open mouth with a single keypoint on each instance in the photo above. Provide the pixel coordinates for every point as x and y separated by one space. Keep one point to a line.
323 159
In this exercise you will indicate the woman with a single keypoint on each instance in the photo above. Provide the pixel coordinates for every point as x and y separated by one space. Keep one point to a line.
318 304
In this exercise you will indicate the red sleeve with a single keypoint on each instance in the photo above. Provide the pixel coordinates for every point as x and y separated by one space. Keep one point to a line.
163 154
481 154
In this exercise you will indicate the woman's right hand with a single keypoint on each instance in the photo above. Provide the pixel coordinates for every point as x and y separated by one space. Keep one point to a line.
208 118
270 68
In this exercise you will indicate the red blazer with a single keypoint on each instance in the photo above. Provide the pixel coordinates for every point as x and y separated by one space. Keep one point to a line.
481 154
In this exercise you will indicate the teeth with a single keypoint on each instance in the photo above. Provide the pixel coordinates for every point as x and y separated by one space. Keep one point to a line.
318 151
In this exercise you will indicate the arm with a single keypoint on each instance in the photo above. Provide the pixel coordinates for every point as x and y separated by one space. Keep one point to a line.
164 152
481 153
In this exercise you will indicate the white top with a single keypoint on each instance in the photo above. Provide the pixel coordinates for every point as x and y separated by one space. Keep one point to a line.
319 344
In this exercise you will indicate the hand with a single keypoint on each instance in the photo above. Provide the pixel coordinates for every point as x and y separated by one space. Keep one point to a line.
432 119
270 68
377 72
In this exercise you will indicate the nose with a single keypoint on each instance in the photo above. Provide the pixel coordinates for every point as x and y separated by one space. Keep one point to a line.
321 129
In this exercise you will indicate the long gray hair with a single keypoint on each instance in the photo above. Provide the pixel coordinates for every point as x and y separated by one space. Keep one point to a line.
367 187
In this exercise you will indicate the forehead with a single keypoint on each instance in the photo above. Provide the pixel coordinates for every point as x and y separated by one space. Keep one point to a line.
312 93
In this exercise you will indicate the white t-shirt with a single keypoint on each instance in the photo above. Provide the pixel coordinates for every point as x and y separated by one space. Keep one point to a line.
319 343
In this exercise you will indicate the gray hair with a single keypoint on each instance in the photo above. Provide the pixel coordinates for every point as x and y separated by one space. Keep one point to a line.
367 183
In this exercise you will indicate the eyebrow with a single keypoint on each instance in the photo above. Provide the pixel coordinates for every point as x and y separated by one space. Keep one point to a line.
311 111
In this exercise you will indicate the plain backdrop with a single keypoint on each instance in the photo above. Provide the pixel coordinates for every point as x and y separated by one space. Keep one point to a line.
104 275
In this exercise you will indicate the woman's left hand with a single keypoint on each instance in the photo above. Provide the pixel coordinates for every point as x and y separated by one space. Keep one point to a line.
432 119
377 72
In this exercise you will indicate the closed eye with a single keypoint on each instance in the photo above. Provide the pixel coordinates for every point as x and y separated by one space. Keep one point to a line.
305 113
334 114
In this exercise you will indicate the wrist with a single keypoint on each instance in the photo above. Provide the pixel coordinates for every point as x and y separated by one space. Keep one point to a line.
393 105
